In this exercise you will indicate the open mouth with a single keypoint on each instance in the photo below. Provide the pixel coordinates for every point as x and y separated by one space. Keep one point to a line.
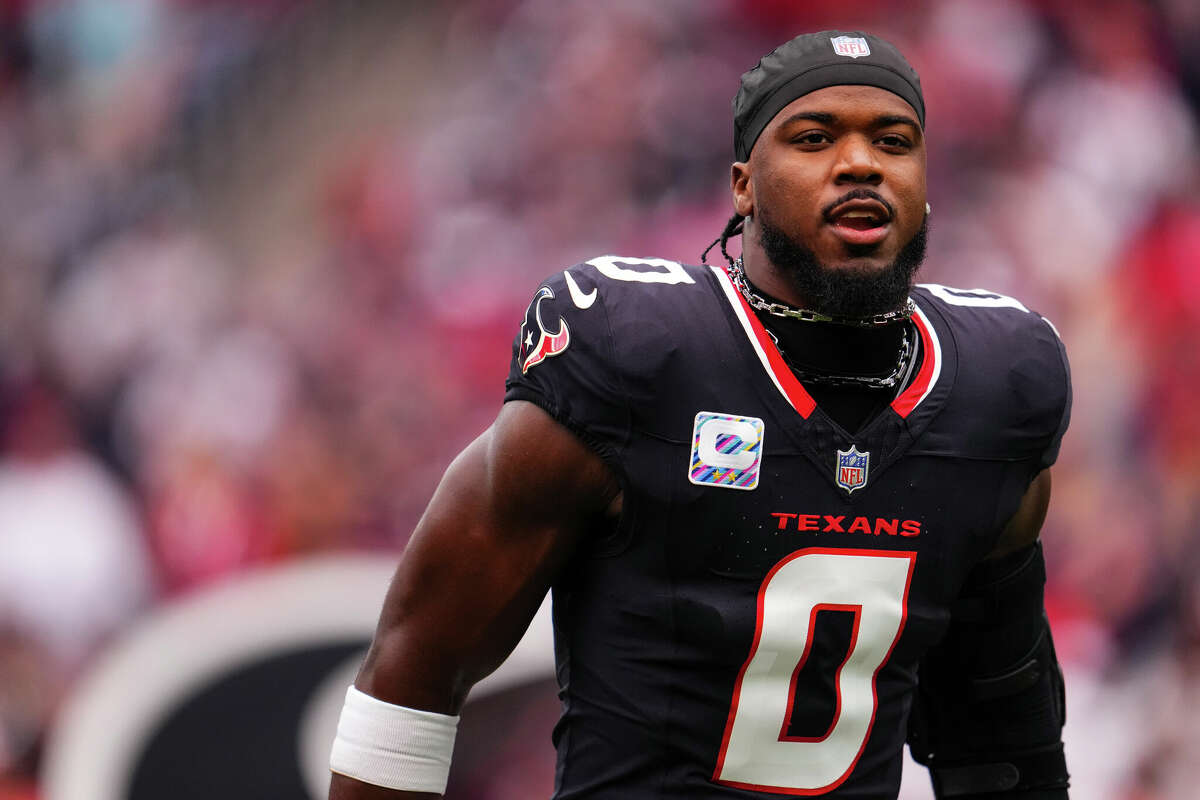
860 222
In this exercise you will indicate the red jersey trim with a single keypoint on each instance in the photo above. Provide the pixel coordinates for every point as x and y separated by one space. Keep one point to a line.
772 361
931 368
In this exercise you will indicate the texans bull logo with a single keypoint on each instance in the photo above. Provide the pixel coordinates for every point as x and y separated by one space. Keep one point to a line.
538 345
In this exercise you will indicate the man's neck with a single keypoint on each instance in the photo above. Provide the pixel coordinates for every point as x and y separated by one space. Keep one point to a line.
832 349
769 279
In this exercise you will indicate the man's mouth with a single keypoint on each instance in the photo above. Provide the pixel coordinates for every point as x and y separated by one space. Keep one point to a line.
860 222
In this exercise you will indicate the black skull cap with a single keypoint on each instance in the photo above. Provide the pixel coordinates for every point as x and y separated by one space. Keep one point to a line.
813 61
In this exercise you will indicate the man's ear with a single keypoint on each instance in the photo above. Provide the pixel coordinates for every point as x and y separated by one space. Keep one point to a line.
742 188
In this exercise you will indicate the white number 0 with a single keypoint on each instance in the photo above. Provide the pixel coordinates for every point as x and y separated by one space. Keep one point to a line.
664 271
756 752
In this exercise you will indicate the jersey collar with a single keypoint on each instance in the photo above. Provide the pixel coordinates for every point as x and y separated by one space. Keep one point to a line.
794 392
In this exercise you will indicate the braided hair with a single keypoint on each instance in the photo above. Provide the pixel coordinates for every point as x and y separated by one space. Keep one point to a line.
732 228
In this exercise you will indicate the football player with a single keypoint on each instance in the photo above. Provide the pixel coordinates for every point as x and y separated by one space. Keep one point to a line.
788 506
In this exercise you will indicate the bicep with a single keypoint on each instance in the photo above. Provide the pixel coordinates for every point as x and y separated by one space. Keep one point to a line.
1023 527
507 516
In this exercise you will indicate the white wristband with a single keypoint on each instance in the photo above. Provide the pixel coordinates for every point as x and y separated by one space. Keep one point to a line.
393 746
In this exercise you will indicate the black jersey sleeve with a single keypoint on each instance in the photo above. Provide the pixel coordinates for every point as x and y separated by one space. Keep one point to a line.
563 360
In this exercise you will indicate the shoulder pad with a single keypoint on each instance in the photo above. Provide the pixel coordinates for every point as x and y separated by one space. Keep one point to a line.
1013 380
595 334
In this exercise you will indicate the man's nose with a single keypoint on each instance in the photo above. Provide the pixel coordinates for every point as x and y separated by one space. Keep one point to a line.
856 162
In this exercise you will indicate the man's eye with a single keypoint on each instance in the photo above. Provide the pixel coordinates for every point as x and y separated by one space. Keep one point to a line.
892 140
815 137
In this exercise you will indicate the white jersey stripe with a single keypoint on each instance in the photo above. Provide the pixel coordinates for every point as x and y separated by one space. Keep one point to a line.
936 355
730 295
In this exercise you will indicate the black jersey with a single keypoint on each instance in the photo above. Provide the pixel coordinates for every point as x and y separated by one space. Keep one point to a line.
753 627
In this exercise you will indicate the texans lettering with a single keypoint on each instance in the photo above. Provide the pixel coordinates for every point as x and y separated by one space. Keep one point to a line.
829 523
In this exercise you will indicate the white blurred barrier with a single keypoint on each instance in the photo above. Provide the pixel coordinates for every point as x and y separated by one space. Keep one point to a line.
175 701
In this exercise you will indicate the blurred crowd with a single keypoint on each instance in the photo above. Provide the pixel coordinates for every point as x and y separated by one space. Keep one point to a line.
261 264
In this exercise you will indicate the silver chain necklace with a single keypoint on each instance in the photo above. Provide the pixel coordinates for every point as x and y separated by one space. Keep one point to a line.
899 375
737 274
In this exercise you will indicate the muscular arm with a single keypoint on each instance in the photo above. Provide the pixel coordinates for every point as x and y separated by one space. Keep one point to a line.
988 715
1023 529
509 513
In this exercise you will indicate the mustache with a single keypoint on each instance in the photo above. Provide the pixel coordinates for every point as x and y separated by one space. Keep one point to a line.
858 194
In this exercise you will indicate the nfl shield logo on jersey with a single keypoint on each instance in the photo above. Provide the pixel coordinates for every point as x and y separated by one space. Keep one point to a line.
726 451
852 468
852 46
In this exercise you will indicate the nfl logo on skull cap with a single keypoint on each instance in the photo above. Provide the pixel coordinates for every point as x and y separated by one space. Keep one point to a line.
726 451
852 468
852 46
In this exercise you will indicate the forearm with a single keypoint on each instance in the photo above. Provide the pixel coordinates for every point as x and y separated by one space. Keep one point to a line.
1035 794
472 577
990 705
343 788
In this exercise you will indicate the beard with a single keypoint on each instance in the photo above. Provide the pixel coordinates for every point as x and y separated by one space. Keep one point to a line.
844 292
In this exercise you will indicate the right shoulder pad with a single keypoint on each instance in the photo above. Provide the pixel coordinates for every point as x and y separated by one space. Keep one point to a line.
593 334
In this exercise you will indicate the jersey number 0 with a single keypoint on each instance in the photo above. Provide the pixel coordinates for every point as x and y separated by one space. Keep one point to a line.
757 752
